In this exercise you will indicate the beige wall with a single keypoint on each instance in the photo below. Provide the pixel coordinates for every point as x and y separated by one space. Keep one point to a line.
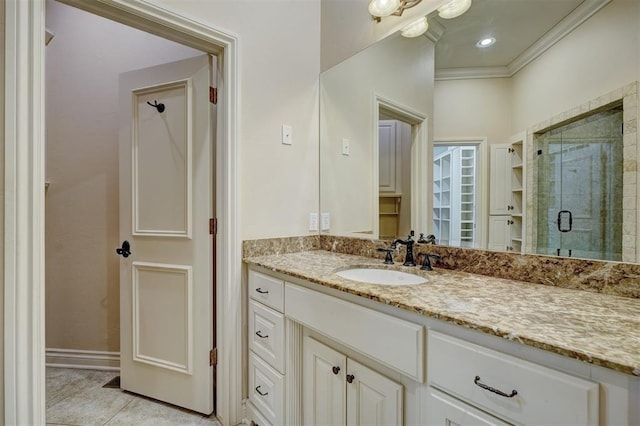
347 27
82 270
279 66
469 108
598 57
398 69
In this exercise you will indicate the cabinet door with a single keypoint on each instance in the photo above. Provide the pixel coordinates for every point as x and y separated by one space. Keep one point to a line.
499 233
323 384
447 411
372 399
500 190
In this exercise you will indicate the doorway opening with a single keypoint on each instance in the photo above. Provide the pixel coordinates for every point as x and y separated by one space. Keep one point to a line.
84 120
458 173
24 121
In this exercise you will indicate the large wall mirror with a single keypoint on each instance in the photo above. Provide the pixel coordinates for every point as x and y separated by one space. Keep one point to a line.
445 136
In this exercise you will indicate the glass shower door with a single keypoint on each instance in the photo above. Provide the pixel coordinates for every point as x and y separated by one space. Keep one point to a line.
580 188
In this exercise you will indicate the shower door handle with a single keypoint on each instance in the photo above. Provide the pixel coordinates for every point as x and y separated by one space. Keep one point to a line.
561 215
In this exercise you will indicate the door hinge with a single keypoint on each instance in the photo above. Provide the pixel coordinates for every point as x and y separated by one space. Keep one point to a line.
213 95
213 357
213 226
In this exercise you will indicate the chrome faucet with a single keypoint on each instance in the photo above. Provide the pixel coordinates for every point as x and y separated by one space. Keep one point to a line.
409 242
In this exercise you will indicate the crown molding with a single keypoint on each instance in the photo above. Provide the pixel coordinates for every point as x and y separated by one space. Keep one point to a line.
570 22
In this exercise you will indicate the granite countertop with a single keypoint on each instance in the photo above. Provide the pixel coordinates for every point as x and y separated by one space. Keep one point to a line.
599 329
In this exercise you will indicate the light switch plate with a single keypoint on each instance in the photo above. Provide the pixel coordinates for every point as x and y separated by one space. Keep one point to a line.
287 134
346 146
313 222
325 221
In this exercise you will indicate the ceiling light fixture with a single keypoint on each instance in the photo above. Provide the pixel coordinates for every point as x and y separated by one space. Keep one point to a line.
381 8
486 42
454 8
416 28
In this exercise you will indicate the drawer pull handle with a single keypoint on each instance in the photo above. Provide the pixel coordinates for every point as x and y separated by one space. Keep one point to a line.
350 378
260 393
261 291
335 370
260 335
494 390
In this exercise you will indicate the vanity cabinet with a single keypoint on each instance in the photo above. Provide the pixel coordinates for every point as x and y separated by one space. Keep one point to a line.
341 360
340 391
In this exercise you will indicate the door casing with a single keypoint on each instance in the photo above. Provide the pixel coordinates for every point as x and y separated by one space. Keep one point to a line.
24 338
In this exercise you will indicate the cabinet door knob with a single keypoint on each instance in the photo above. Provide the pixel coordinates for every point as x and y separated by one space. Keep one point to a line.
350 378
335 369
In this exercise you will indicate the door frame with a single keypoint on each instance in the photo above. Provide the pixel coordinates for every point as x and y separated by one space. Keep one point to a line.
419 121
24 291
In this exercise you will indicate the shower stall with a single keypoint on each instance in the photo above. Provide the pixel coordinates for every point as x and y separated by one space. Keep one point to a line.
579 187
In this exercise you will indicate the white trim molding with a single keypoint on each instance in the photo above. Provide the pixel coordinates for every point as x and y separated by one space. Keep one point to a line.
24 374
24 345
87 360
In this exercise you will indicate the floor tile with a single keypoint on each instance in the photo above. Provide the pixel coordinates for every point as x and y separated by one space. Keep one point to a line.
148 412
91 407
64 382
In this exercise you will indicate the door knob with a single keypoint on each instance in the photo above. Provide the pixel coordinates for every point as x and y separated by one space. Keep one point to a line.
125 250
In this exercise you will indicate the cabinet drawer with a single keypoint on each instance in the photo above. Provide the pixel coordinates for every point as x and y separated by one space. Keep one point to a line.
266 334
267 290
392 341
255 417
542 395
266 390
446 410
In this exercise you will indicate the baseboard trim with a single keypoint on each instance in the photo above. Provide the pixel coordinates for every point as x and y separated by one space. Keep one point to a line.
90 360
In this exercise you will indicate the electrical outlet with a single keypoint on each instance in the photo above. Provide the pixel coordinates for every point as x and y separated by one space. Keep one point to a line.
346 146
313 222
325 222
287 134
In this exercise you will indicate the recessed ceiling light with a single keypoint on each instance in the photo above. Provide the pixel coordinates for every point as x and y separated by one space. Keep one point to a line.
486 42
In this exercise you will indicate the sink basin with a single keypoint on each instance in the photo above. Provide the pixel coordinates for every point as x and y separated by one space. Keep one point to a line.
381 276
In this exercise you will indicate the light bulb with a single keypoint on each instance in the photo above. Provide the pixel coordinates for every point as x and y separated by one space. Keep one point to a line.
486 42
416 28
382 8
454 8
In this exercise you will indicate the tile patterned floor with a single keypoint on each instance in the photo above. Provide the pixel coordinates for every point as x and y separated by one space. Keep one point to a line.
77 398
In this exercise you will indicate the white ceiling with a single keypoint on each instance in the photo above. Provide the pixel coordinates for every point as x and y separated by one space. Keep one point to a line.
522 28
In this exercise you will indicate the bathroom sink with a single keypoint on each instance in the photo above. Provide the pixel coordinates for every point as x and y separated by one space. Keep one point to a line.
381 276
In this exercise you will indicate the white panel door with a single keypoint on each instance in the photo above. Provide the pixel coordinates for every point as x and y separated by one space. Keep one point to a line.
166 291
323 385
372 399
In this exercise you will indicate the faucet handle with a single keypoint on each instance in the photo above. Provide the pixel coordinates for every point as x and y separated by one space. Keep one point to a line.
426 262
411 234
388 258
